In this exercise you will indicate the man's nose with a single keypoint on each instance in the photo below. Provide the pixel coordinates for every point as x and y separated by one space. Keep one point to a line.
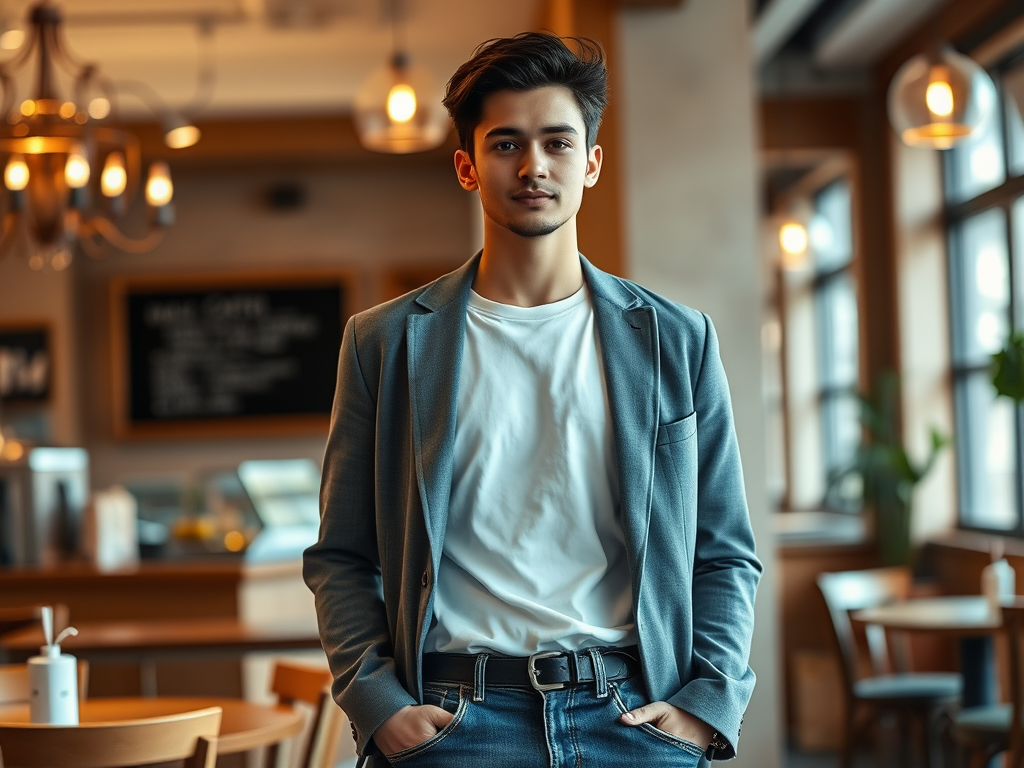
534 163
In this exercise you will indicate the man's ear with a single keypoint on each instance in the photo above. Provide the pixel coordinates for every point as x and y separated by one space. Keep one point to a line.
465 170
594 158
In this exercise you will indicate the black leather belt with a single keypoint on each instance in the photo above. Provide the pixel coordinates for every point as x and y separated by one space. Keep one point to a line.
545 671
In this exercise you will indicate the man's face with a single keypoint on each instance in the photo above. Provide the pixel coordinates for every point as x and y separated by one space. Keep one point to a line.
531 161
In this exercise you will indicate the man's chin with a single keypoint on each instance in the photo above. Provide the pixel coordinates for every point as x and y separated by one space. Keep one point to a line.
534 228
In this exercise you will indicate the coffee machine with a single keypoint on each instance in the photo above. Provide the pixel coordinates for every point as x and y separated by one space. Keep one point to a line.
43 491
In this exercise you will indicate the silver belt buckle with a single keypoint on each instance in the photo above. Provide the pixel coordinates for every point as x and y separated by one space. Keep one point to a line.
532 672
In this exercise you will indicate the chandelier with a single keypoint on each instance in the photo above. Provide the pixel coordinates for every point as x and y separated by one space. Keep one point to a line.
69 173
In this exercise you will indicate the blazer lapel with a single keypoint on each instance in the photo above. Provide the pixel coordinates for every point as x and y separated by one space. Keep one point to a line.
628 332
435 341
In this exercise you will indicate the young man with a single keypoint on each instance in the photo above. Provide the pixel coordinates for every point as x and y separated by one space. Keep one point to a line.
534 548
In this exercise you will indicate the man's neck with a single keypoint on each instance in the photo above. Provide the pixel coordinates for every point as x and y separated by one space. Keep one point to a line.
528 271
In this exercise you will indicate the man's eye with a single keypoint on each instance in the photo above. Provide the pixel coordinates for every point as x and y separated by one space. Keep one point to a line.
560 144
504 146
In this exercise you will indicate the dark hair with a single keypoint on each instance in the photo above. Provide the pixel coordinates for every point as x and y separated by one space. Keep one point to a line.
524 62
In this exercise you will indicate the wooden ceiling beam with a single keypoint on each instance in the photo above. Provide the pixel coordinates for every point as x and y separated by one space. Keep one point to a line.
650 3
560 16
300 139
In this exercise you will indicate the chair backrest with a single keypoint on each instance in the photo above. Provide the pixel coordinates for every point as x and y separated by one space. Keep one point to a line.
14 687
1013 623
190 737
294 683
856 590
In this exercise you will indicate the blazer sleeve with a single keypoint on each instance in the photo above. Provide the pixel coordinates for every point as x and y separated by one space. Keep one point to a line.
725 568
343 567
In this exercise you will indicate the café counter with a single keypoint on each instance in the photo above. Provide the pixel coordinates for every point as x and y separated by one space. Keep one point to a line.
268 595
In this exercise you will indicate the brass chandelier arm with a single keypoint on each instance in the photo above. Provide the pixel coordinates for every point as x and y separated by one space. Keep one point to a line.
9 95
109 231
24 54
95 247
9 233
206 73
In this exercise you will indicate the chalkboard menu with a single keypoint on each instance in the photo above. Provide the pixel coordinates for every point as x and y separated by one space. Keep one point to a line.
24 363
240 354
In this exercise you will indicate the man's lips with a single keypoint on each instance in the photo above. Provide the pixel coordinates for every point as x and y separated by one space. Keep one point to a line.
532 194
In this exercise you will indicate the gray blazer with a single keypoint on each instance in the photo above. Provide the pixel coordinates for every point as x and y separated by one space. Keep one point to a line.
387 479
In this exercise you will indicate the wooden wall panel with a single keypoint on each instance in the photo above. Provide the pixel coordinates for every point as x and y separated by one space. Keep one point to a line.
600 220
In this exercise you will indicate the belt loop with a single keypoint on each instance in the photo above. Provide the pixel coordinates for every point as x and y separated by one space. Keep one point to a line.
478 676
600 678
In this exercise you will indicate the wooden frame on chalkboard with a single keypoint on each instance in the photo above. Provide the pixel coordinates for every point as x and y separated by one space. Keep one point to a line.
26 373
156 323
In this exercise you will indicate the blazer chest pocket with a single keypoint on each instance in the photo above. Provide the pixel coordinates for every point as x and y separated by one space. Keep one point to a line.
677 431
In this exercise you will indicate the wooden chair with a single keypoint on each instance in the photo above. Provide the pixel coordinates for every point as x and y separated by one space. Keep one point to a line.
190 736
986 731
294 683
14 687
890 689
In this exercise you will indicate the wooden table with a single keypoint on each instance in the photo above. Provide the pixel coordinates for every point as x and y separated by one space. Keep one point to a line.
968 618
243 726
147 642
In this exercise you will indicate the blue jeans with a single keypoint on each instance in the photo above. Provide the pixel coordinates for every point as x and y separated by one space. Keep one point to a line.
574 727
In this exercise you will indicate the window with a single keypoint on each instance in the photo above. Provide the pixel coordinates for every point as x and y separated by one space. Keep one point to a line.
835 299
810 339
984 180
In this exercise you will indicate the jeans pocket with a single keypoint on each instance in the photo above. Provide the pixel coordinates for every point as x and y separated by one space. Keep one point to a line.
627 698
452 699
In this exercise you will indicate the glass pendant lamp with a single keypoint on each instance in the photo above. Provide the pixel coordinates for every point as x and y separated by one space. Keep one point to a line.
398 109
939 98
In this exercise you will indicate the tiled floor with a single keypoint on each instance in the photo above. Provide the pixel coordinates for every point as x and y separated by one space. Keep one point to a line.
866 758
797 759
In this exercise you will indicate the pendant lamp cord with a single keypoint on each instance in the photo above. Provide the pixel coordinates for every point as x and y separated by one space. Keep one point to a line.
397 43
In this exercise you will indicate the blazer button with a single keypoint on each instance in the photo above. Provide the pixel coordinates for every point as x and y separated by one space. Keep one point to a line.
424 579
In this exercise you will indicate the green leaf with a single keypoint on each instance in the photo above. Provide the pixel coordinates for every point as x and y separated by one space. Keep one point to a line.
1007 368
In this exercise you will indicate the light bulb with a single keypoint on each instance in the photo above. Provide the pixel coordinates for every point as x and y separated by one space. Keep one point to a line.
793 238
76 170
16 173
182 136
12 39
99 108
159 189
401 103
939 98
114 178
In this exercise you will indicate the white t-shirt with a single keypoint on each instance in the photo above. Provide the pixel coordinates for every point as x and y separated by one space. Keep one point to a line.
533 558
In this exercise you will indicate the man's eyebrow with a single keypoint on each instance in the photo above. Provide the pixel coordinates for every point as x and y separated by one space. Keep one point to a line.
509 130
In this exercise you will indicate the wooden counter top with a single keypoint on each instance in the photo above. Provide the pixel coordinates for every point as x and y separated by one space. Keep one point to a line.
147 571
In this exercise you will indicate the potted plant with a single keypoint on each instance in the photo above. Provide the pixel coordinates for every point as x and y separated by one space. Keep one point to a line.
882 475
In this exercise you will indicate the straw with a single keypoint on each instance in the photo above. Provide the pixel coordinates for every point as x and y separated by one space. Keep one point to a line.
47 615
